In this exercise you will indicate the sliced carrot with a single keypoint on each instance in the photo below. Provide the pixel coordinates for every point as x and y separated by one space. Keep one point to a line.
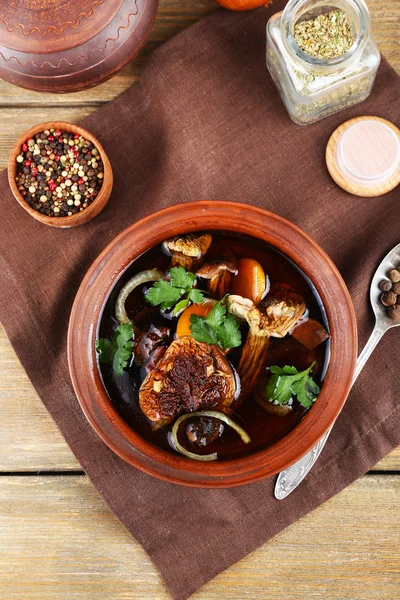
250 280
183 326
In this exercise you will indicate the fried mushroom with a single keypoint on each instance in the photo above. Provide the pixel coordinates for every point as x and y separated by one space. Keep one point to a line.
219 274
191 376
188 251
273 317
147 342
204 430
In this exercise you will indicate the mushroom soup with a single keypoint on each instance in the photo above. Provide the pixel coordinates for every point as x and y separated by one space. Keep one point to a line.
213 345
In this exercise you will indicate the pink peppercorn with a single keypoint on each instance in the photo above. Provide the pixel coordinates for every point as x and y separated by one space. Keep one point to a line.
27 163
50 138
24 147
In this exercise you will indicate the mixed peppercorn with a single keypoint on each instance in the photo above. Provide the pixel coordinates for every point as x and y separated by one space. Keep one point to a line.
59 173
391 293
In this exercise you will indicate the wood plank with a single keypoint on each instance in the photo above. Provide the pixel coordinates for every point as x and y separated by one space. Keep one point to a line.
31 441
173 16
14 121
59 540
29 438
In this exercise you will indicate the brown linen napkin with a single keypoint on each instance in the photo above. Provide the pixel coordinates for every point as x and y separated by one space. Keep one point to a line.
206 122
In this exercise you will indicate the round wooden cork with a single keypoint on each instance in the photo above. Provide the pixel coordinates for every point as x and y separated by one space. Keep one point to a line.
363 156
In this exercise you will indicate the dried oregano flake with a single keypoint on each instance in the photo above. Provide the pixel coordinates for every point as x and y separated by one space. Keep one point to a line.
327 36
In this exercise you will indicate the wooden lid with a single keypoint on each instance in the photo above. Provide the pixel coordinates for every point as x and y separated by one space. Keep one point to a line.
44 26
363 156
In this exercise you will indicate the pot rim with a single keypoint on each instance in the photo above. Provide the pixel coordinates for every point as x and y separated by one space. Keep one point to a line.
117 257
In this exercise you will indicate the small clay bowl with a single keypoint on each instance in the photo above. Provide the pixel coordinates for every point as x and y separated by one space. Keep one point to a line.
81 217
208 216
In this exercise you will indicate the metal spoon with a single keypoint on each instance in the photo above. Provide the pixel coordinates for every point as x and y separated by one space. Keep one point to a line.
290 478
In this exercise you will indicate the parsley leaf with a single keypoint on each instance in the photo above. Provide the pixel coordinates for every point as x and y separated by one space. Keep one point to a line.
201 330
117 352
180 306
216 316
196 296
164 294
104 350
216 328
228 333
287 382
178 290
284 370
180 278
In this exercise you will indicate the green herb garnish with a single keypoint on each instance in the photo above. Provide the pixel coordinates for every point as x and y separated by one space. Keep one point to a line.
216 328
167 294
117 352
287 382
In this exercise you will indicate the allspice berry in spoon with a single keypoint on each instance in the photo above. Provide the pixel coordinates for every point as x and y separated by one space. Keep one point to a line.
396 288
388 299
394 312
394 275
386 286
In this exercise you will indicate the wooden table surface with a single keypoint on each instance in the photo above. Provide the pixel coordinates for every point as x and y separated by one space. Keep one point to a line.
58 540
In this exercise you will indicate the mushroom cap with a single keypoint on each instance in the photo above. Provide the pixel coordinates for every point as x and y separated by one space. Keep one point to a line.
194 245
211 269
204 430
147 342
239 306
279 311
276 314
191 376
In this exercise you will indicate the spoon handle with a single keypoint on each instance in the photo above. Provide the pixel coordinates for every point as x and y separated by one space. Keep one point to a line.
368 349
290 478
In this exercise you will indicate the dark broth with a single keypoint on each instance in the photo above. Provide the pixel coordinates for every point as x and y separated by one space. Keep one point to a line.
264 429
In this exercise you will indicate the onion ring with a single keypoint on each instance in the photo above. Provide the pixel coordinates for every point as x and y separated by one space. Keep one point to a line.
138 279
206 413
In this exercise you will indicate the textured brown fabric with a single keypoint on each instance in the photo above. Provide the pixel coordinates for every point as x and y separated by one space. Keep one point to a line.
206 122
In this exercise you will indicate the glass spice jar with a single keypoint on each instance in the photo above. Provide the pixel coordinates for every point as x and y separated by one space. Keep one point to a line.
311 87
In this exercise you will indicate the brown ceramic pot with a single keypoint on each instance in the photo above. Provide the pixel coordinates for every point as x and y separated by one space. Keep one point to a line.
205 216
67 45
81 217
